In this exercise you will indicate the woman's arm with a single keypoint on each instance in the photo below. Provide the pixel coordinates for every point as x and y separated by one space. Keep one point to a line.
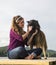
18 36
27 33
30 40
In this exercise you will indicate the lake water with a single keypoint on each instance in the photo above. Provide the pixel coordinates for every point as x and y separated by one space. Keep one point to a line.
3 57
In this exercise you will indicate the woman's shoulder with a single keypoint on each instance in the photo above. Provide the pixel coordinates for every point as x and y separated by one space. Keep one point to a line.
12 31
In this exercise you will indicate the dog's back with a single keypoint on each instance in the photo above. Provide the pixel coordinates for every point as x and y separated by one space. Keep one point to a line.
40 40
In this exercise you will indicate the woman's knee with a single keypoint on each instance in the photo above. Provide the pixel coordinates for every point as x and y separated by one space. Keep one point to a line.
15 53
18 52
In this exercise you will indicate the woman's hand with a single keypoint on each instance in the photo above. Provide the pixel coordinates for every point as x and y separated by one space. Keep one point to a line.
31 38
29 28
35 33
27 33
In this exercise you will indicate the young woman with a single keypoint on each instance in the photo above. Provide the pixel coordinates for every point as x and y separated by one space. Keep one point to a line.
18 39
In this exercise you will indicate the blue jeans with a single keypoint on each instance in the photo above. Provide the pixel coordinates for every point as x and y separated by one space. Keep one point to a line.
21 52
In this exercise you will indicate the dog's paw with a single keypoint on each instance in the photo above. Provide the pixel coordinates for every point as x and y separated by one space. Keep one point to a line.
45 57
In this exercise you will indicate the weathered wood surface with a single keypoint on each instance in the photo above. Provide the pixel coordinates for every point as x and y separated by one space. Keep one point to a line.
49 61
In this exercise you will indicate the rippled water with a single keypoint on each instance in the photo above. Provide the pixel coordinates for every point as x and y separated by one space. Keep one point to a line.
3 57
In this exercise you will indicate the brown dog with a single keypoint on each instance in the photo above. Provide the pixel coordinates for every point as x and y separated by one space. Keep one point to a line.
39 39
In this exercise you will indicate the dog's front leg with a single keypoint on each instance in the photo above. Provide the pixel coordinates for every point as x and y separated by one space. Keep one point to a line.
44 52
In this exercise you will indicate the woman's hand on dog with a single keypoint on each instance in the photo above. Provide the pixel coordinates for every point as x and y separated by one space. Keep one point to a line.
35 32
29 28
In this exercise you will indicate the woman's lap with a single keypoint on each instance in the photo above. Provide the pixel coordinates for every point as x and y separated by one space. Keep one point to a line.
21 53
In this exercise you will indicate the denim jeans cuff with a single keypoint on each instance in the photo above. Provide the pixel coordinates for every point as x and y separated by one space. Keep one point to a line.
34 54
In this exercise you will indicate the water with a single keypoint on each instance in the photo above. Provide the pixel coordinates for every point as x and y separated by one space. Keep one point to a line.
3 57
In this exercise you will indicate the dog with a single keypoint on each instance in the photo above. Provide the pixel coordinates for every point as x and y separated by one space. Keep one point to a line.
39 40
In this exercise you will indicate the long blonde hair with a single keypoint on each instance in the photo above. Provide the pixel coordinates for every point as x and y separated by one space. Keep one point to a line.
15 26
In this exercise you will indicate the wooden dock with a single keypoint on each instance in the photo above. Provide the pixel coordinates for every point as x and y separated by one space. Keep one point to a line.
49 61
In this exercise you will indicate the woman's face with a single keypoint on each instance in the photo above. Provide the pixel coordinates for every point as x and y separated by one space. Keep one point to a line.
21 23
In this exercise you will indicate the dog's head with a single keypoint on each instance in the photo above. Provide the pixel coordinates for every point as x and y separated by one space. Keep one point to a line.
35 25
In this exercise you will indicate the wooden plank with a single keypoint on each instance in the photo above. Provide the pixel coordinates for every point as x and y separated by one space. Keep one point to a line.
27 62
